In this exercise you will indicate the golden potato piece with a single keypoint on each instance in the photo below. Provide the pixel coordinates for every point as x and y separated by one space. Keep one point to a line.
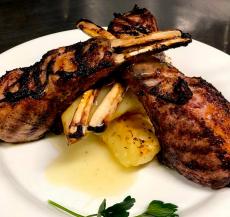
131 139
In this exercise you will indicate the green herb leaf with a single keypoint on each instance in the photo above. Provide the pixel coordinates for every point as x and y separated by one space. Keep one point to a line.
155 209
101 208
119 209
160 209
64 209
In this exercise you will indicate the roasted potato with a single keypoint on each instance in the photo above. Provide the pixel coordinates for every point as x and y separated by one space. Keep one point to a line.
131 140
129 134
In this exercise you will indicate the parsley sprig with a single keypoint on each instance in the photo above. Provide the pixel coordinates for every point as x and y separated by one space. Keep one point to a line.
156 208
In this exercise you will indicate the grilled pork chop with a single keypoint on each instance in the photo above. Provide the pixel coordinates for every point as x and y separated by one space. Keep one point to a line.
191 118
32 98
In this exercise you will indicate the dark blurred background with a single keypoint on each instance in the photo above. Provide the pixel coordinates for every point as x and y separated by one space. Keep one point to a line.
21 20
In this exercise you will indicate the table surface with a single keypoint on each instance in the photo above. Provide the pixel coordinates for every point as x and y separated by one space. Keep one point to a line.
21 20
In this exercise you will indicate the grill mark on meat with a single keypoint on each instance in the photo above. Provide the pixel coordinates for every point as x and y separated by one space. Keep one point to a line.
139 21
83 70
225 159
213 143
180 94
195 165
83 63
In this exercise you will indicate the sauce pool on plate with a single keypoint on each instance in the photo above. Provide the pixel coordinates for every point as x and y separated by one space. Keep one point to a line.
88 166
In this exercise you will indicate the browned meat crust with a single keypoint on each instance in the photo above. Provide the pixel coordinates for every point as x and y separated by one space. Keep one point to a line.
32 98
192 120
138 21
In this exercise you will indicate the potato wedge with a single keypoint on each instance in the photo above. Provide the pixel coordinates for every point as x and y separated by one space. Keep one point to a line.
131 140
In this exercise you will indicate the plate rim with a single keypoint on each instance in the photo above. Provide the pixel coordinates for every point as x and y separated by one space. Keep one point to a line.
4 179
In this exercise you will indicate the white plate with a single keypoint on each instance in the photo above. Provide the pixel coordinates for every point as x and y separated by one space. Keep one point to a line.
24 190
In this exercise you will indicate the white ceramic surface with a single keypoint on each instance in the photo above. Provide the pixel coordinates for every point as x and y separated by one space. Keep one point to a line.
24 190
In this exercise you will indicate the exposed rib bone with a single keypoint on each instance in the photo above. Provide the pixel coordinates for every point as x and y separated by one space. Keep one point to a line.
107 106
81 124
157 47
114 97
93 30
80 119
155 36
163 40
